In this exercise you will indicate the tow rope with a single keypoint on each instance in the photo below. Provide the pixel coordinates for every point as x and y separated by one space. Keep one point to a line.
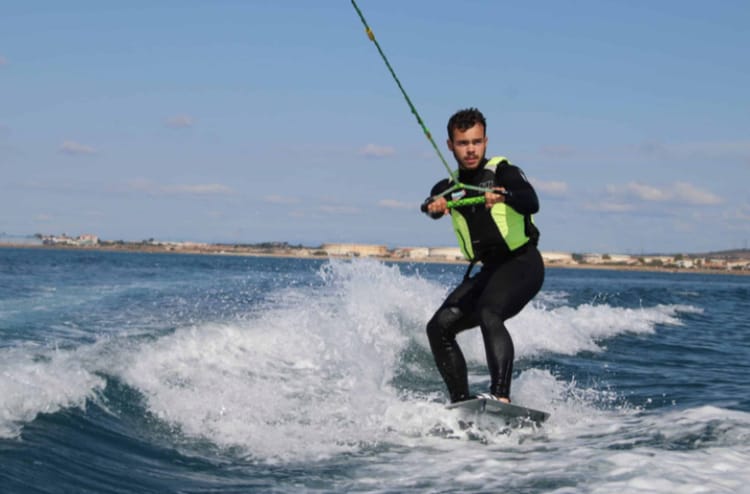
453 174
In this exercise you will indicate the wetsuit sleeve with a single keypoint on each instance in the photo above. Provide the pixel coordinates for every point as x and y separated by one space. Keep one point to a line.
439 187
522 196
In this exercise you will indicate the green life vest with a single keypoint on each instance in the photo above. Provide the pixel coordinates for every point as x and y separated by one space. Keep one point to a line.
510 223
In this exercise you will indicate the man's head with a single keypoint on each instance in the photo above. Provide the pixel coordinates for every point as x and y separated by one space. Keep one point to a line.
467 137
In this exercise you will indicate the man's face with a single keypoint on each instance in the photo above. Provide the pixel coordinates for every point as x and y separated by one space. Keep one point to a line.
468 146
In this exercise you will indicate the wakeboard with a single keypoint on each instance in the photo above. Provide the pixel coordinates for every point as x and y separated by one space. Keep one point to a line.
508 411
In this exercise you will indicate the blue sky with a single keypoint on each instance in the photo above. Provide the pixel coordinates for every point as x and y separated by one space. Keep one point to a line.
253 121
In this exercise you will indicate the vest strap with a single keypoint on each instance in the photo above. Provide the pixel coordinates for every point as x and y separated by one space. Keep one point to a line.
471 265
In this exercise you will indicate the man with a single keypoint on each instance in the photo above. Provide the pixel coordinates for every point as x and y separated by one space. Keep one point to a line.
501 235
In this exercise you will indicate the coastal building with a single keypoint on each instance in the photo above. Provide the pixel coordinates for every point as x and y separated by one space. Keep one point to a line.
685 263
445 253
552 258
621 259
658 260
738 266
356 250
712 263
592 258
86 240
416 253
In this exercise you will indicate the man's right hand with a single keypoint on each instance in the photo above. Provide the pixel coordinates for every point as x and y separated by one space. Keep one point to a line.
435 207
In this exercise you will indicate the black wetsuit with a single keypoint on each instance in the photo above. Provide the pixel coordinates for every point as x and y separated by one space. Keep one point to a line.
507 281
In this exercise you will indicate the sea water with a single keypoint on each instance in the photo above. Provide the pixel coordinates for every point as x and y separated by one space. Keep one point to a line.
127 372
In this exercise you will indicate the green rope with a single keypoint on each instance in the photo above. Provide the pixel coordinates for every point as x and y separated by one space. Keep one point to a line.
426 131
453 174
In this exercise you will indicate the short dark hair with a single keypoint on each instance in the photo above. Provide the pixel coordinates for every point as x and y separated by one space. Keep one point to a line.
466 119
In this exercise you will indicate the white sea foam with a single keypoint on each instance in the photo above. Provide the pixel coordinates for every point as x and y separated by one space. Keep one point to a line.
314 361
321 360
571 330
614 450
34 381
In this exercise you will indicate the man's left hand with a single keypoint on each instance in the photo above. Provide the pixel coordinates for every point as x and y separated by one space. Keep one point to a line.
492 198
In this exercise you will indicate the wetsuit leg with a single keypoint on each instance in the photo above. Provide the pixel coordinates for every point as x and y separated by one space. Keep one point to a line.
510 286
455 315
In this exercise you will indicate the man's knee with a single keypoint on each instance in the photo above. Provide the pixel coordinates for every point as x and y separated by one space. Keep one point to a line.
434 328
443 322
491 316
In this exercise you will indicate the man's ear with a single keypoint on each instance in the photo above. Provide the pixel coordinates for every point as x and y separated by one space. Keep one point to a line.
450 144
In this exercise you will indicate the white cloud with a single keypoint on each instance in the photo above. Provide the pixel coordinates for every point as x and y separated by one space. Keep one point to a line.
143 185
396 204
42 218
179 121
711 151
691 194
648 192
677 193
277 199
74 148
554 188
196 189
375 151
609 207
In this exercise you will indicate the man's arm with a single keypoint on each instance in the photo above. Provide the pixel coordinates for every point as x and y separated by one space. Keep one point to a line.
521 195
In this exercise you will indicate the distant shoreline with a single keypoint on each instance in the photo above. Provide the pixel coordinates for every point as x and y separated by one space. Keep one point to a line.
217 250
